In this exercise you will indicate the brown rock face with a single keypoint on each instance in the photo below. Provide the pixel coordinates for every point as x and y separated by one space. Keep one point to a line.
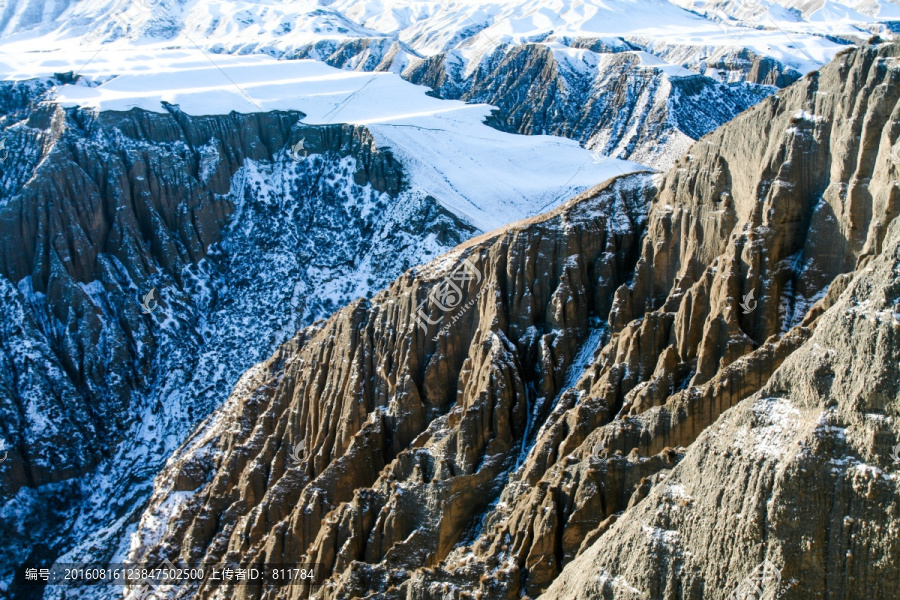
408 427
800 474
234 238
570 433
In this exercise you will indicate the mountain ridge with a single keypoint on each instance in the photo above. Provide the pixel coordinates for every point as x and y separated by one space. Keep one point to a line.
245 226
617 85
463 493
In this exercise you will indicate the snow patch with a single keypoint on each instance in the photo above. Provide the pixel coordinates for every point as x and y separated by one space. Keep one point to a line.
770 435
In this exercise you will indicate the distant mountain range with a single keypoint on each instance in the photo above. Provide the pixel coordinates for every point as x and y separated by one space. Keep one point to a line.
618 76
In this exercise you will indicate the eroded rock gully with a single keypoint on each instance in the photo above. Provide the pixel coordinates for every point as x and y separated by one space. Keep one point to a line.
800 474
404 426
571 433
235 240
126 202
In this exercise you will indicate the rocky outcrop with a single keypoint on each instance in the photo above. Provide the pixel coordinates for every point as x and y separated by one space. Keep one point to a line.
577 411
745 210
408 421
799 475
240 245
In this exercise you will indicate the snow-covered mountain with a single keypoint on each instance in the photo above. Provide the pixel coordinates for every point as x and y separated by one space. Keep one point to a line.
430 27
251 196
635 79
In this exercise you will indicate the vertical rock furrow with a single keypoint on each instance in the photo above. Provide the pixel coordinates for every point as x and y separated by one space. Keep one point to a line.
445 401
561 419
718 230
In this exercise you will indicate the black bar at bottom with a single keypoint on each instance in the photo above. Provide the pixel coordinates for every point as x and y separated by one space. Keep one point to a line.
169 575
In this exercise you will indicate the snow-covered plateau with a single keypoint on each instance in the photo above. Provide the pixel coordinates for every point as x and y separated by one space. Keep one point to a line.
487 177
633 79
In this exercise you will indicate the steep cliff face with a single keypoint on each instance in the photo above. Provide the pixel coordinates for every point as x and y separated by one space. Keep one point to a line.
79 265
241 247
408 418
799 475
749 209
573 412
